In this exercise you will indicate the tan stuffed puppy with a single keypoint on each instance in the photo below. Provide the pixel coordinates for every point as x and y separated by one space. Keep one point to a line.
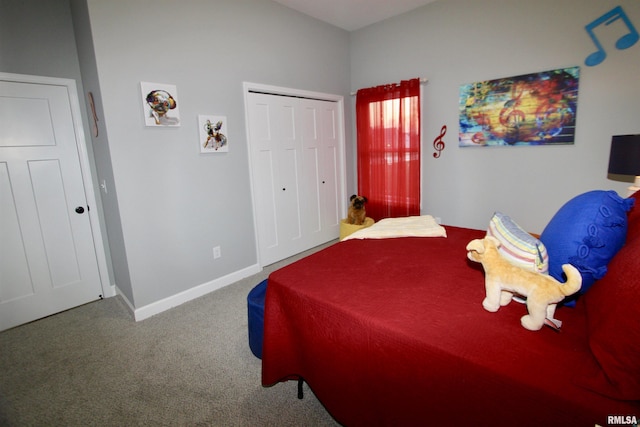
503 280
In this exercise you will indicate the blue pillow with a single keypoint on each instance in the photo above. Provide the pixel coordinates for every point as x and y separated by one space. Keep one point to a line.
586 232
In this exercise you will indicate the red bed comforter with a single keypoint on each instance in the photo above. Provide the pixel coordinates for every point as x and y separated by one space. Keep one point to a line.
392 332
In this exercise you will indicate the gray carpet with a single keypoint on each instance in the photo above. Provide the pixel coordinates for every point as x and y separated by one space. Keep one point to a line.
188 366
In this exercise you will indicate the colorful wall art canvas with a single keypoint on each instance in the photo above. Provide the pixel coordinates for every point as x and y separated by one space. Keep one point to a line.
213 134
531 109
160 104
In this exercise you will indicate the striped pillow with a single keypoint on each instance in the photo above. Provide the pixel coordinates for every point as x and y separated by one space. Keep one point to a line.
518 246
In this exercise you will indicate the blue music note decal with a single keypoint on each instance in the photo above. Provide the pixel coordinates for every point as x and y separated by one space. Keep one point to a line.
623 42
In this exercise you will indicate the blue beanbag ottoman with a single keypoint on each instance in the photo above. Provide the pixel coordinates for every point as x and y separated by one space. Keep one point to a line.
255 303
586 232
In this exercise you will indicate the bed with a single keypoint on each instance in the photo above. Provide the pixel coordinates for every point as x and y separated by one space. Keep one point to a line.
391 331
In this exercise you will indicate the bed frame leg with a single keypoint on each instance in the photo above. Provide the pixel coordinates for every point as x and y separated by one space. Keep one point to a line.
300 392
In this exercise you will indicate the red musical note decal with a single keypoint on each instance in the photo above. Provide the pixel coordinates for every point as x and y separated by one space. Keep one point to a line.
438 143
623 42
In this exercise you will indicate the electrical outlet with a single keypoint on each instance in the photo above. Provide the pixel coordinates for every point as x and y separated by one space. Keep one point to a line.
217 253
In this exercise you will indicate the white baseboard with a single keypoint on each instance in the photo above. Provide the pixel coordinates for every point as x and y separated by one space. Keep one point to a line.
190 294
125 299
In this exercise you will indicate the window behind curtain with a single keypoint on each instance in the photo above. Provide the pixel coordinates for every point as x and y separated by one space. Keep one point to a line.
388 126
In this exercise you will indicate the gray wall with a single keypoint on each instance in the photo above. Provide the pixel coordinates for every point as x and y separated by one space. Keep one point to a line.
120 276
31 44
453 42
174 203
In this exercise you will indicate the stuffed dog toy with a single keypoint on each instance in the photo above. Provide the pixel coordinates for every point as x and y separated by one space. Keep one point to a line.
503 280
357 213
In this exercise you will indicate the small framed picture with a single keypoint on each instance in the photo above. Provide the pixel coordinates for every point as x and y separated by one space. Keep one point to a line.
213 134
160 104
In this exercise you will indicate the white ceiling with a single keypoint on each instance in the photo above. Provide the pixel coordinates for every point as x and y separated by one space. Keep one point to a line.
353 14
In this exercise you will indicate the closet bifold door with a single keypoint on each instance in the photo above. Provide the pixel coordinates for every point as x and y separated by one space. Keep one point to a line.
275 162
294 149
320 164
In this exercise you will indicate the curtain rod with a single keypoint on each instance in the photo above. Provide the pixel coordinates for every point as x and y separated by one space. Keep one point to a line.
422 80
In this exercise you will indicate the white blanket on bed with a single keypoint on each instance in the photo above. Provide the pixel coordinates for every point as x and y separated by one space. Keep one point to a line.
412 226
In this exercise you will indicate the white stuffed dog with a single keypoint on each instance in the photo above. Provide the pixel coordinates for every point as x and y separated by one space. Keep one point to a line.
503 280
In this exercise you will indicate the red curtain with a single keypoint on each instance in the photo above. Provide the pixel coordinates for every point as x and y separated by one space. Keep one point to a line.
388 125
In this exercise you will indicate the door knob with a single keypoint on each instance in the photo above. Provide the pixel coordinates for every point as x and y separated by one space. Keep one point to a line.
80 210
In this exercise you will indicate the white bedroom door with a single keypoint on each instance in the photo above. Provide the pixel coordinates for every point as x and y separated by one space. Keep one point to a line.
296 149
48 258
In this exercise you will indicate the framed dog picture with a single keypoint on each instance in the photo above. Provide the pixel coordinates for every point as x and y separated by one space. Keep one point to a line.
213 134
160 104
